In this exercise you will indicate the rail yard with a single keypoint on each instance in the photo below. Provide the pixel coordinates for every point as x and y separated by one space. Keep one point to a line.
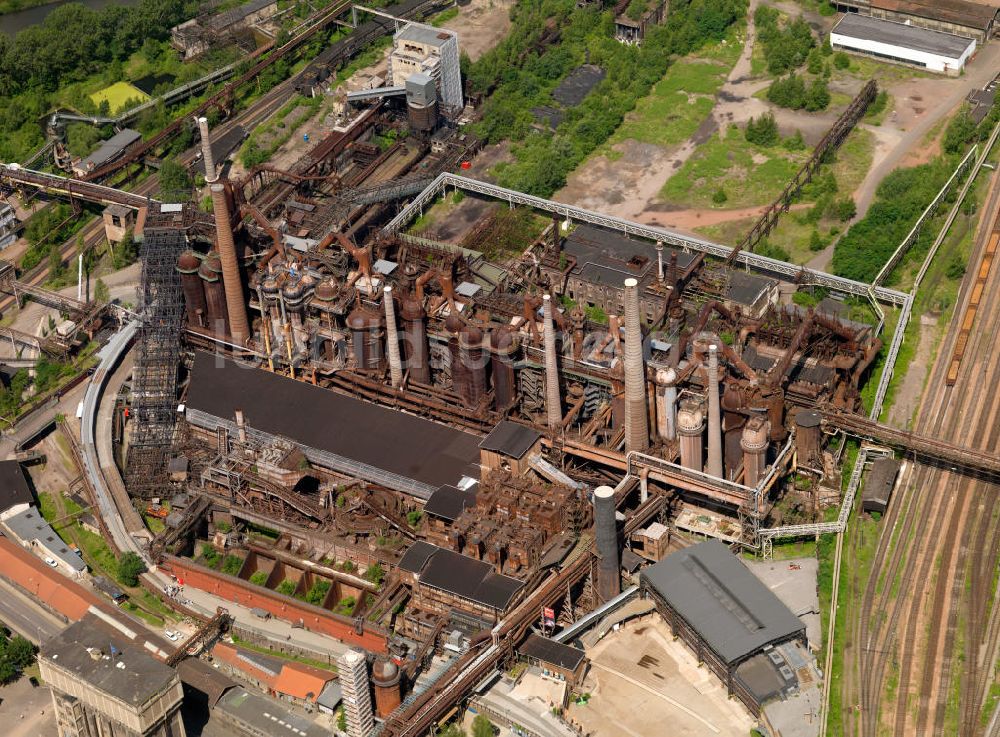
393 446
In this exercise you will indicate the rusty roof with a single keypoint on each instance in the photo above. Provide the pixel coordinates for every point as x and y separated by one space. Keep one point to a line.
959 12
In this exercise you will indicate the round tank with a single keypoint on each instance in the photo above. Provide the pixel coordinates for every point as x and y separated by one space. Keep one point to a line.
326 291
754 442
188 265
366 337
422 117
292 293
216 312
691 428
470 343
503 347
415 340
385 680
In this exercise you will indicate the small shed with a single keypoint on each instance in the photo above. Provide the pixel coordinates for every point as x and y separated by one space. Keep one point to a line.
879 485
507 446
563 662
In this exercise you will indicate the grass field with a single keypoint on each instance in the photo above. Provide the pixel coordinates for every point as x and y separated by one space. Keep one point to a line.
117 95
748 174
680 101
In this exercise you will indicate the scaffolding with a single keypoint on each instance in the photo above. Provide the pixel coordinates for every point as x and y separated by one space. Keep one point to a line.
154 383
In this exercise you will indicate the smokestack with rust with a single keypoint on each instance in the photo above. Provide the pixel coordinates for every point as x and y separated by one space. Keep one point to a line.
659 260
636 427
714 467
206 151
392 339
239 328
609 582
553 404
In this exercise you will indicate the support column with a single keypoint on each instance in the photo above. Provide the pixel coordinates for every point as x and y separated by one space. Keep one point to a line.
636 427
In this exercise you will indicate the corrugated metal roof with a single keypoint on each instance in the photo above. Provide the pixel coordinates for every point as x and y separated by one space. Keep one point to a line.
510 439
729 607
902 35
14 487
960 12
552 652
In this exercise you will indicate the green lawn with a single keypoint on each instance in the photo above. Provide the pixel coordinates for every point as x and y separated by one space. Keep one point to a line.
748 174
118 95
680 101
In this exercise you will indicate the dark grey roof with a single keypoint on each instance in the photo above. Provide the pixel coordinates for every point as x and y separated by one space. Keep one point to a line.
606 257
632 562
552 652
14 488
718 597
578 84
880 480
103 584
761 677
29 525
200 676
510 439
260 715
424 34
449 501
384 440
141 677
746 289
866 28
416 556
111 148
460 575
331 695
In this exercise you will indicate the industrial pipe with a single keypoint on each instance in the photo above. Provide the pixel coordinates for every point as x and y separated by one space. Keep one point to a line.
636 428
236 308
553 406
392 339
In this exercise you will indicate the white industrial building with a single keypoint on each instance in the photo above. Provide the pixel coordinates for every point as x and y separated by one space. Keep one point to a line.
899 43
420 49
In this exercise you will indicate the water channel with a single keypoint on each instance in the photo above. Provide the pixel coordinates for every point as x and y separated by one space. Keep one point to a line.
11 23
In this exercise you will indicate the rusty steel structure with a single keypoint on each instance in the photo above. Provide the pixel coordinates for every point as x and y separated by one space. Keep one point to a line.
833 138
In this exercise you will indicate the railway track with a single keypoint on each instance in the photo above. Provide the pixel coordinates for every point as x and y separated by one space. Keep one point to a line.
939 534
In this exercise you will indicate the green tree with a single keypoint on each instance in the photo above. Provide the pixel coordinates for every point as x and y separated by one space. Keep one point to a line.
55 261
816 242
130 566
125 253
101 292
818 96
20 652
482 726
719 196
959 133
841 60
341 720
762 131
843 209
174 177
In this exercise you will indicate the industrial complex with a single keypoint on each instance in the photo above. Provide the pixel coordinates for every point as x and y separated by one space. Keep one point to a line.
394 447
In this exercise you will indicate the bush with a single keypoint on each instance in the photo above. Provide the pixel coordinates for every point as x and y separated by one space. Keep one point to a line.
286 587
789 92
719 196
231 564
841 60
956 267
818 96
318 592
794 142
816 242
413 517
762 131
843 209
130 567
960 132
375 573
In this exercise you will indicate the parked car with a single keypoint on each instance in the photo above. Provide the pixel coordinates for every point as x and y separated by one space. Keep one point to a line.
51 563
171 635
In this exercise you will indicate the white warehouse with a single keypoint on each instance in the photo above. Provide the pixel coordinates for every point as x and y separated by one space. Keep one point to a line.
900 43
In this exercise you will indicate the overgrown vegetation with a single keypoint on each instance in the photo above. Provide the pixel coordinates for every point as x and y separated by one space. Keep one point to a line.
130 567
787 46
16 654
522 81
259 578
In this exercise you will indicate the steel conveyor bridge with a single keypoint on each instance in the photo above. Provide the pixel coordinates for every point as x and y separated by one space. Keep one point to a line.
15 176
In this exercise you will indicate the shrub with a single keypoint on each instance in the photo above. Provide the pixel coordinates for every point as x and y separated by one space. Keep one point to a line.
818 96
770 250
130 566
794 142
843 209
286 587
789 92
841 60
719 196
762 131
259 578
318 592
231 564
816 242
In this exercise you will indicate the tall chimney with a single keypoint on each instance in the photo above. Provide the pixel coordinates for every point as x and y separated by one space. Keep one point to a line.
553 401
239 328
606 534
659 260
241 426
206 151
392 339
714 467
754 445
666 403
636 428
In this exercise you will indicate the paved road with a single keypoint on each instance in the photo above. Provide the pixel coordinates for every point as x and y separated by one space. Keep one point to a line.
26 617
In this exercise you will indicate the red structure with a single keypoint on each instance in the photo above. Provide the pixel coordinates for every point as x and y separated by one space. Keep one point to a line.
313 618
